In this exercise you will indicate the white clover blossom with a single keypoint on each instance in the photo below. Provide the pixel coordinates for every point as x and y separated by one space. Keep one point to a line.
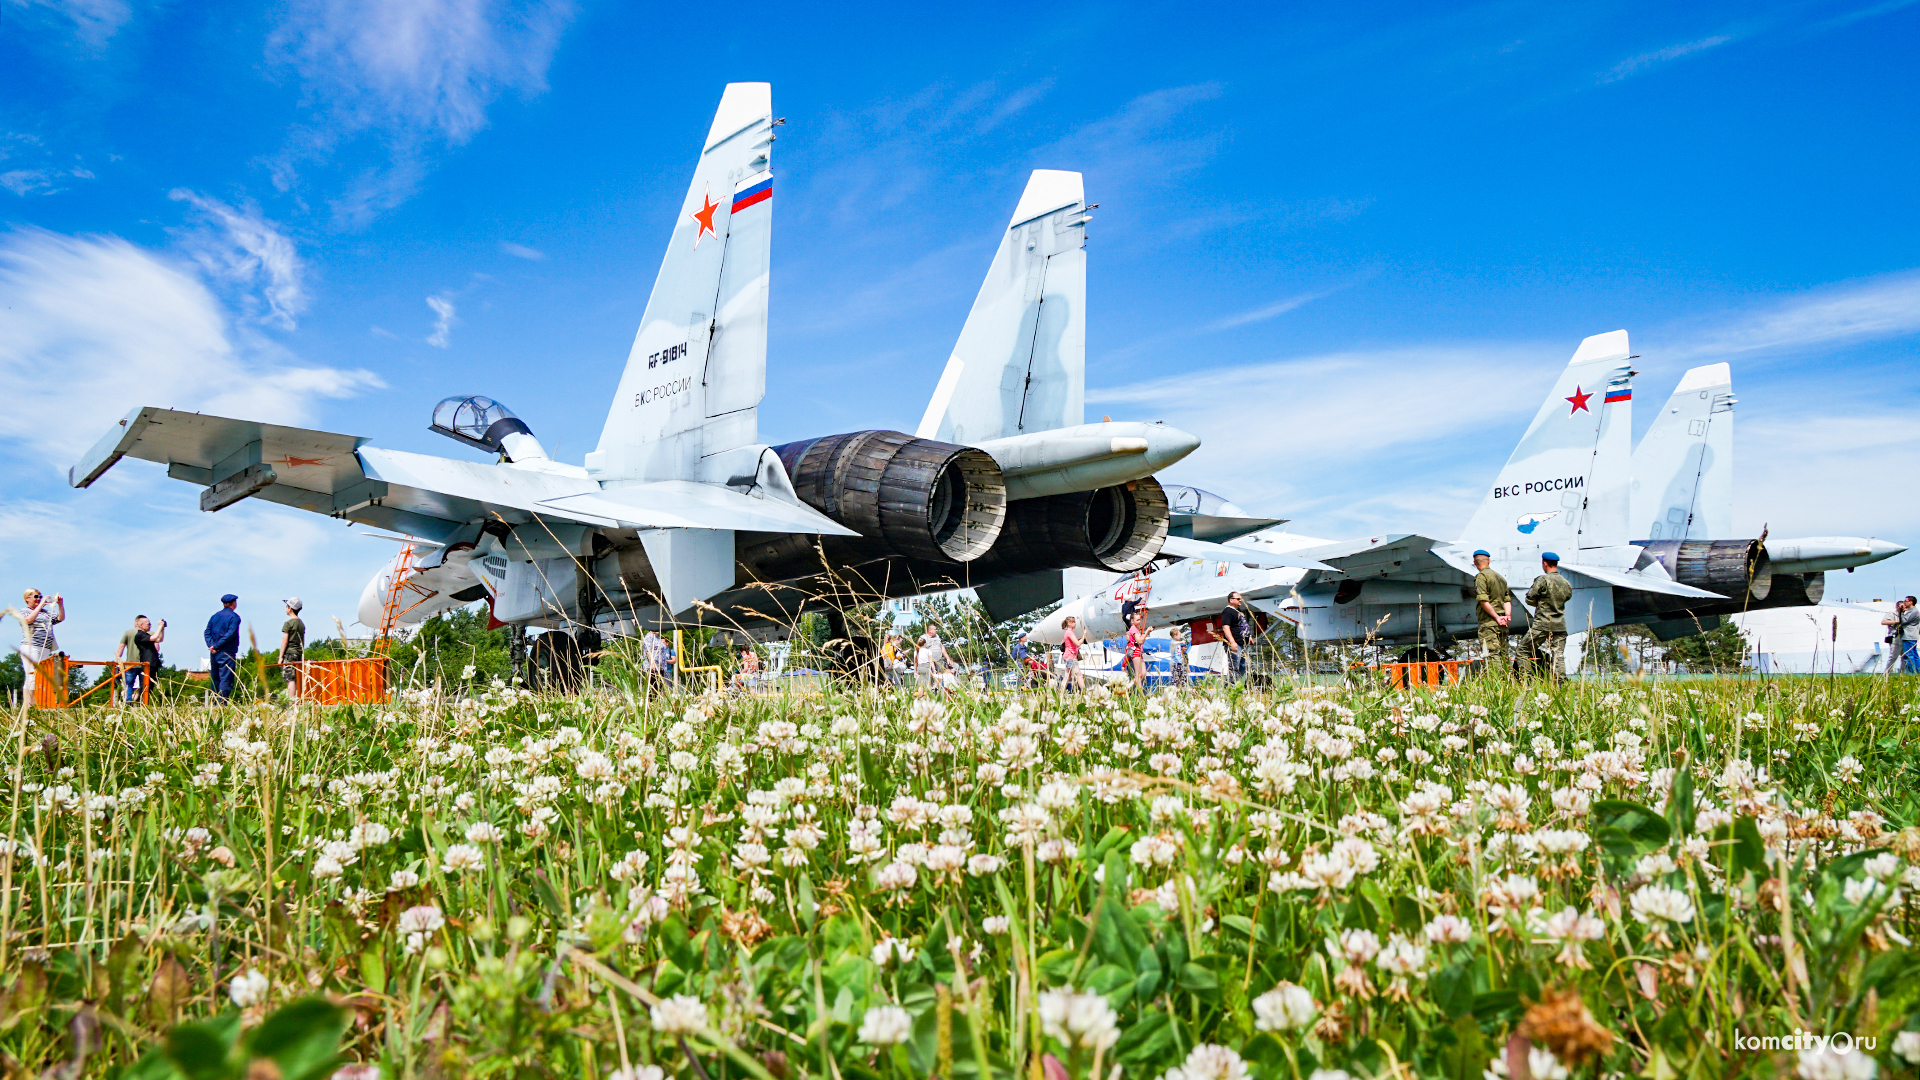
248 989
681 1014
1082 1019
1286 1007
459 858
885 1025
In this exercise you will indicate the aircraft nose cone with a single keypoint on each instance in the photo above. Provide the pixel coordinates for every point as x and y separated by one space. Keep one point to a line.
1884 549
1168 444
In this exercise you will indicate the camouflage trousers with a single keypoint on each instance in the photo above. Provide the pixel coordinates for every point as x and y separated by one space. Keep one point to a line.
1493 646
1551 647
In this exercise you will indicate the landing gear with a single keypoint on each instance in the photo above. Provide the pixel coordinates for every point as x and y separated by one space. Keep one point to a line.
850 658
1422 654
517 654
555 664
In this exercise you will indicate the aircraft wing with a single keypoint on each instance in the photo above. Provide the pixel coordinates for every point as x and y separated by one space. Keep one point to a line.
1405 556
1635 579
1188 548
328 473
683 504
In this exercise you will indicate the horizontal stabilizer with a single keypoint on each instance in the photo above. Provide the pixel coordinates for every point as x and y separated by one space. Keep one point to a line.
1199 549
683 504
1637 580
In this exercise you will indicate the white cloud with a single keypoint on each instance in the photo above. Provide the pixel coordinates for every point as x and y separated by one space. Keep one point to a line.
1146 142
443 320
94 21
1825 474
34 172
1633 65
1879 307
413 71
24 182
1266 311
93 326
248 250
1353 438
522 251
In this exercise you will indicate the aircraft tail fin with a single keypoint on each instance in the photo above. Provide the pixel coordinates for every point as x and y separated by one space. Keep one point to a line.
1683 467
1567 485
697 371
1020 362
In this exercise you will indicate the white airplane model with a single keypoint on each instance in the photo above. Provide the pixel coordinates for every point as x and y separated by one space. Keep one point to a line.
681 511
1564 490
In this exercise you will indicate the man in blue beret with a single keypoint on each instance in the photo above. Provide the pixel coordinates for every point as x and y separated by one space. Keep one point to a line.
1547 627
223 645
1493 603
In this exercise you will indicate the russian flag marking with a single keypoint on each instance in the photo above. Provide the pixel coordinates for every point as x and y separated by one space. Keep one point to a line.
1623 394
758 193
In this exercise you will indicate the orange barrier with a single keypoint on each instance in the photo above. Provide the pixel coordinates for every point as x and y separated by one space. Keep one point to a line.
358 681
50 682
1429 673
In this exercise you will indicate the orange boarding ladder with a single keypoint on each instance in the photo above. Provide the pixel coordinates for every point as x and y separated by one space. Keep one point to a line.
391 611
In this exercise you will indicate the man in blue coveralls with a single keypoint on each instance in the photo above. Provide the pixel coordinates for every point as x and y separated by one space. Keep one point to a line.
223 643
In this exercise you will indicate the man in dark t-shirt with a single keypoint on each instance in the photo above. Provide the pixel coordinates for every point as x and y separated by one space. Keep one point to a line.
1236 630
140 646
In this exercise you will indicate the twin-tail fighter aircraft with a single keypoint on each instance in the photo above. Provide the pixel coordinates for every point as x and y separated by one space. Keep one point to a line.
1570 488
681 513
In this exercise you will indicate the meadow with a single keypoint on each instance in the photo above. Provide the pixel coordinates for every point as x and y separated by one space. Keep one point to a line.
1687 878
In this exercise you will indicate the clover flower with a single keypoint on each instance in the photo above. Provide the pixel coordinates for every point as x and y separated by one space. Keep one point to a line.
885 1025
681 1014
1286 1007
248 989
1079 1019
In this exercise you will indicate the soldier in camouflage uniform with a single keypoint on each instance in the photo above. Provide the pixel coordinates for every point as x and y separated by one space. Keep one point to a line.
1493 603
1547 628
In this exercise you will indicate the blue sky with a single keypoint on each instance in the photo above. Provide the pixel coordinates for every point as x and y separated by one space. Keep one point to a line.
1348 245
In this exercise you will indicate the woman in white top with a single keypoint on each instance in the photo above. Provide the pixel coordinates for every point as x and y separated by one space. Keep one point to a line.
931 658
36 632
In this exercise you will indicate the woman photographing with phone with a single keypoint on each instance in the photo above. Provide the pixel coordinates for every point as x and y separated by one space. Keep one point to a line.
37 643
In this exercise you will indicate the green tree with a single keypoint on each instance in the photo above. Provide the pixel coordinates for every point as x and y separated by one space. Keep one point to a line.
13 675
1608 648
1723 648
447 645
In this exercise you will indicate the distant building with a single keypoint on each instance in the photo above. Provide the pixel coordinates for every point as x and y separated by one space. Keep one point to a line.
1835 637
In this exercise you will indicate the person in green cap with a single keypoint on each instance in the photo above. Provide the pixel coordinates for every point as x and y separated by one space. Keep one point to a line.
1547 627
1493 602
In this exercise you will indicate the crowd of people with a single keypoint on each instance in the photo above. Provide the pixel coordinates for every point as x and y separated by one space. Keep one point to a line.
137 661
921 661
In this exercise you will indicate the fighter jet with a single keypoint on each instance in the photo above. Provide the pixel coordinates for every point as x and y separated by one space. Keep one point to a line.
681 512
1565 489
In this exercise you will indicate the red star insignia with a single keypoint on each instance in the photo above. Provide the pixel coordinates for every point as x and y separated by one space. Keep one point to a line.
300 462
704 216
1579 400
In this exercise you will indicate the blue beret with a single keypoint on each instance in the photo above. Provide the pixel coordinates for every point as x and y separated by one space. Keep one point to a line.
1484 551
1548 556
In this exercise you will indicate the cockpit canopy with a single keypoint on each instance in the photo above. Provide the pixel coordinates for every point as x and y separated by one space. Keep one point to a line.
478 421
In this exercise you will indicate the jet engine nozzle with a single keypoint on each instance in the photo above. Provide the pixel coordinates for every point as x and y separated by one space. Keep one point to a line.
1732 568
915 498
1117 528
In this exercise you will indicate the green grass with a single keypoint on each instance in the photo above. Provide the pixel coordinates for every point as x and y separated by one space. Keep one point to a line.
748 887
